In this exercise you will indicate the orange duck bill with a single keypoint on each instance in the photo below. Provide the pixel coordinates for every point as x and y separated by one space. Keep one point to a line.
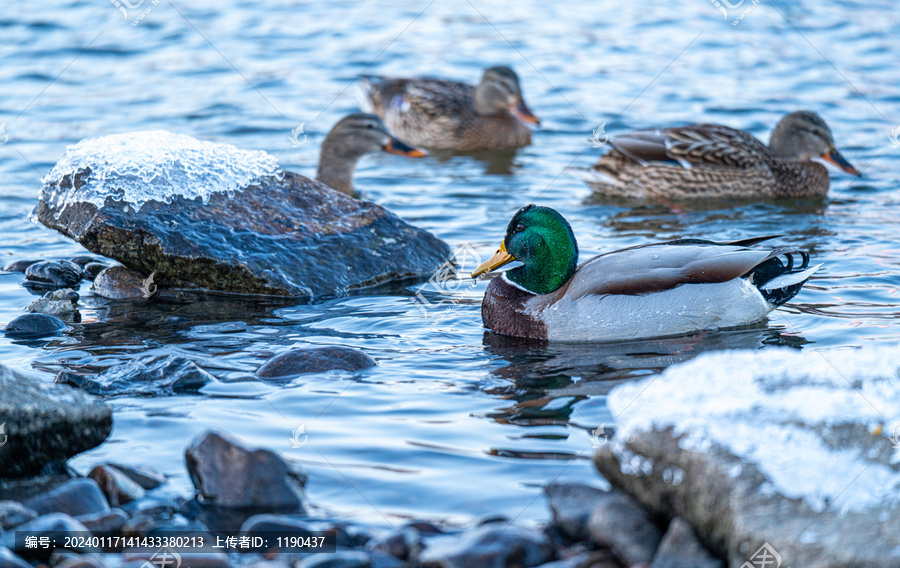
835 158
500 258
396 146
523 113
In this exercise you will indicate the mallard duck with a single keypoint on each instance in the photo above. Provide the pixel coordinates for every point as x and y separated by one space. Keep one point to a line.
655 290
350 139
714 161
453 116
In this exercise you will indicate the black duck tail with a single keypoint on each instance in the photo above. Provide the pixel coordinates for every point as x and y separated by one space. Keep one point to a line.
779 281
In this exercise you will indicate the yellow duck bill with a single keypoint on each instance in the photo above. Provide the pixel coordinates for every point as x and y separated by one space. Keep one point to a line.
500 258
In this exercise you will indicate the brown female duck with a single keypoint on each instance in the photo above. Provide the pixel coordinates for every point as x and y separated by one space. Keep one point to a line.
449 115
350 139
714 161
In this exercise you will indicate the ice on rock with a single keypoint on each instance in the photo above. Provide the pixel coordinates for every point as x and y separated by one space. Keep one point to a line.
780 409
157 165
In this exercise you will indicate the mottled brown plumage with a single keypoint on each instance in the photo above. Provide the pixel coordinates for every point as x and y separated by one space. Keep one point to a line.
714 161
450 115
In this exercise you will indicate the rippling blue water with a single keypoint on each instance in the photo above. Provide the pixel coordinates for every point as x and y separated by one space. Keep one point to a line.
451 424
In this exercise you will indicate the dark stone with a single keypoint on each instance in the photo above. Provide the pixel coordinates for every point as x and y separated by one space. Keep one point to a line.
44 423
403 544
160 375
154 507
76 497
10 560
120 283
681 549
587 559
572 505
13 513
55 273
116 486
424 527
339 559
60 303
274 523
490 546
59 523
93 269
622 524
33 326
143 476
84 260
105 523
315 360
19 265
321 241
228 475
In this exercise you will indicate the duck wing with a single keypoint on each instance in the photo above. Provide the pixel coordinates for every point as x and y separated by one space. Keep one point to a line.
659 267
708 144
433 98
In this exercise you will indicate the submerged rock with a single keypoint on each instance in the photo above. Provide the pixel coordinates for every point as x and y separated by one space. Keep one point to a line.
210 216
60 303
19 265
33 326
120 283
160 375
229 475
769 452
490 546
315 360
54 273
43 422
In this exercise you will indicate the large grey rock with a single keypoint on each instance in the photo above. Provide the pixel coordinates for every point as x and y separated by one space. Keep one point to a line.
229 475
490 546
44 422
769 452
287 237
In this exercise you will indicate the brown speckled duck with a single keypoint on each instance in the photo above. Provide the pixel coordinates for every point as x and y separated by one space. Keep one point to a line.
449 115
714 161
350 139
655 290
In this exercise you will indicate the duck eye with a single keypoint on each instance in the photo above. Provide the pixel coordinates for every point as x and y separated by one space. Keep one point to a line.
370 125
520 227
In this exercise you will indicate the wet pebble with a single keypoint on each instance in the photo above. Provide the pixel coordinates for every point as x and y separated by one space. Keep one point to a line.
622 524
228 475
161 375
572 505
105 523
13 513
116 486
59 523
403 544
75 497
154 507
143 476
92 269
19 265
315 360
10 560
54 273
59 303
587 559
490 545
273 523
120 283
83 260
340 559
33 326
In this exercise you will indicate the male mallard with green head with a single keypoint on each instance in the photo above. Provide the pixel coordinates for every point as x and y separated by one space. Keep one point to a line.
655 290
714 161
450 115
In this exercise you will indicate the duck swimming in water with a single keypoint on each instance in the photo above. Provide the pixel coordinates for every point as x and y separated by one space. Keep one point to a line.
655 290
450 115
350 139
708 161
